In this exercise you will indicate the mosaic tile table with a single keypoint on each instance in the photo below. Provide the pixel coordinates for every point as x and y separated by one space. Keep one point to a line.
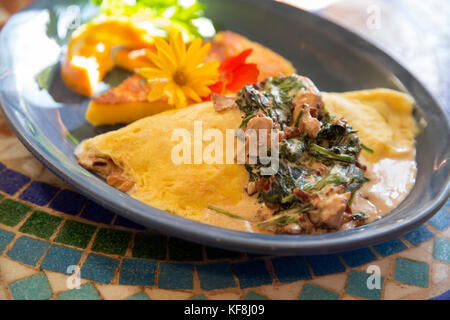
45 227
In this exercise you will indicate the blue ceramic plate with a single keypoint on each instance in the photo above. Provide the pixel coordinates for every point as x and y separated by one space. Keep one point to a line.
50 122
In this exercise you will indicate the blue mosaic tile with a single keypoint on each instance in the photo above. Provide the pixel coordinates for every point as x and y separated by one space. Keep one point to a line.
252 273
254 296
411 272
419 235
68 202
39 193
175 276
215 276
86 292
359 257
28 250
441 220
325 264
99 268
288 269
97 213
5 238
441 250
139 296
2 166
138 272
357 285
59 258
124 222
200 296
390 247
32 288
313 292
11 181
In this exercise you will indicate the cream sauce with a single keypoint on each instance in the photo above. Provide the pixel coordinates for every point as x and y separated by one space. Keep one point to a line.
391 179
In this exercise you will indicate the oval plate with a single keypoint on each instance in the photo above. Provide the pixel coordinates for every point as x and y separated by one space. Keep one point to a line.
51 122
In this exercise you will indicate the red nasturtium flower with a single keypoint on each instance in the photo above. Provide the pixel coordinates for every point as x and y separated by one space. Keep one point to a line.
235 73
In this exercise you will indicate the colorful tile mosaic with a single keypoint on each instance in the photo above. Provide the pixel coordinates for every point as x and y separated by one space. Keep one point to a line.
12 212
47 231
59 259
390 247
39 193
138 272
418 235
176 276
358 286
12 181
76 233
125 254
68 202
358 257
325 264
5 238
289 269
215 276
32 288
97 213
41 224
139 296
28 250
412 272
111 241
252 273
85 292
314 292
99 268
441 250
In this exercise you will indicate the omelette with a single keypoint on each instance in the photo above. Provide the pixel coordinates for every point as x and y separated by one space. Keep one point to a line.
345 159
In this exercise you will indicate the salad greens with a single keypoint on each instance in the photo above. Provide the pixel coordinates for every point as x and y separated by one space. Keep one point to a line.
186 14
335 148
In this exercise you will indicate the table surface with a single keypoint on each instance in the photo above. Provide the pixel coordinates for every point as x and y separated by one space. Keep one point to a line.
45 227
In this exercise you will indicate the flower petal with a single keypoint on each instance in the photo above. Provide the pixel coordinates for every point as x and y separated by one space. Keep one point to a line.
244 75
191 53
178 47
162 61
191 94
157 92
180 98
153 73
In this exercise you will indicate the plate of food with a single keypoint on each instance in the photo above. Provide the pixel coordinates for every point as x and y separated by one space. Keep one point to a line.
246 125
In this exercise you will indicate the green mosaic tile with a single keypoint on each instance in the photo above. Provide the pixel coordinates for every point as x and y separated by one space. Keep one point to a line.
181 250
314 292
148 246
412 272
217 254
357 285
86 292
112 241
41 224
12 212
254 296
200 296
32 288
139 296
75 233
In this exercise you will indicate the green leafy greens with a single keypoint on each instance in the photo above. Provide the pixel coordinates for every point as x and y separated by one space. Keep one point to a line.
335 148
188 15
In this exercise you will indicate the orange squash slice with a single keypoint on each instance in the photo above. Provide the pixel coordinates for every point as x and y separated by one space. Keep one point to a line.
89 52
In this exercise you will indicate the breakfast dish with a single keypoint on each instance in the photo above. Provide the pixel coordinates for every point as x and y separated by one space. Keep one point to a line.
273 154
